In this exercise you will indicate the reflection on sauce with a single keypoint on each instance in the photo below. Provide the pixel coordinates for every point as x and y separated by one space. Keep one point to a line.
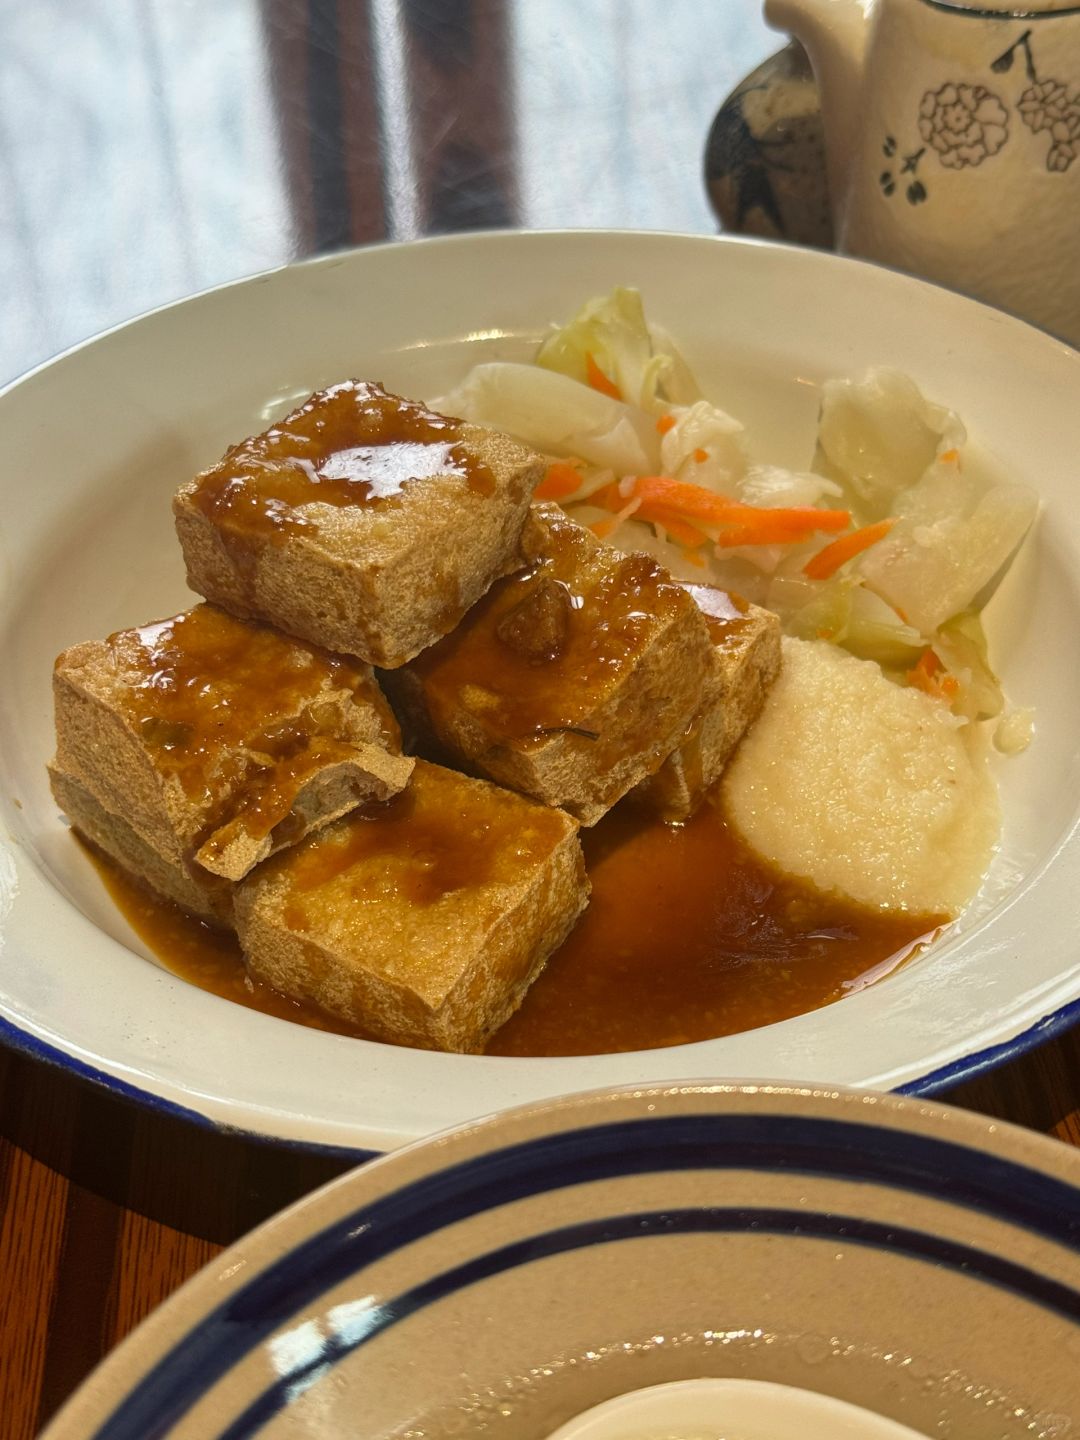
351 445
613 608
725 613
378 471
687 937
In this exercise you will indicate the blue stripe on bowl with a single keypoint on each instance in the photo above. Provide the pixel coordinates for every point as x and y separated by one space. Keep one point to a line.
28 1044
979 1062
964 1067
810 1146
793 1224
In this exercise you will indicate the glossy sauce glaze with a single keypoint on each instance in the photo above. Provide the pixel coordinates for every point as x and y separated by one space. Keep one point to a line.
687 936
545 647
238 713
443 836
353 444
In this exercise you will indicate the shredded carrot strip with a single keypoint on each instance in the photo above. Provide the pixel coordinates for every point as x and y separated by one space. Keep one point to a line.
827 561
679 505
599 381
692 501
561 480
930 676
603 528
701 455
950 456
665 423
609 497
673 523
769 529
705 507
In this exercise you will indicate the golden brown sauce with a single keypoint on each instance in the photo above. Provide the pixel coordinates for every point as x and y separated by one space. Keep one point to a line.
615 605
198 952
445 833
351 445
232 709
687 936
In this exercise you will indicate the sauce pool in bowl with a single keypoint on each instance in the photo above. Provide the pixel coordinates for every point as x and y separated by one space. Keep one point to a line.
688 936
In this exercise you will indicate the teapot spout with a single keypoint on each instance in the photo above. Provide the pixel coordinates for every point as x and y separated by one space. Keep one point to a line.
833 33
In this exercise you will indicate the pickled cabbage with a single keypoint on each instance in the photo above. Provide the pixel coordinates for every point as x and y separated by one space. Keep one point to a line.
899 574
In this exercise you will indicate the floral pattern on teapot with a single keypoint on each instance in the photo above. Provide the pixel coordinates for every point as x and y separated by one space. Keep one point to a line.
964 125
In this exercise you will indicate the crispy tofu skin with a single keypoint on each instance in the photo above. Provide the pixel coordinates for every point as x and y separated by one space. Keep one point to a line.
746 662
195 890
362 522
571 681
217 741
423 921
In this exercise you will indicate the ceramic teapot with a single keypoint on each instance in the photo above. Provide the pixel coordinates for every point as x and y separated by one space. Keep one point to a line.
952 140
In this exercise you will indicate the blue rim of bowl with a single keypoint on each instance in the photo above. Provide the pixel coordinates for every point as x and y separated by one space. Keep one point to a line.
965 1067
1015 1193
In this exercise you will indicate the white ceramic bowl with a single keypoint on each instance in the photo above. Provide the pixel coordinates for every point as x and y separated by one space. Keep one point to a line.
917 1263
95 443
716 1409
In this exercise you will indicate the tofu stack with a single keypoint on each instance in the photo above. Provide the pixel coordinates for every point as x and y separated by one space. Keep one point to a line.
241 759
572 680
192 748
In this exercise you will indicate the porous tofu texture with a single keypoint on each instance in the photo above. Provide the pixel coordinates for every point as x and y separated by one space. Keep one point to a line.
571 680
362 521
218 740
423 921
745 663
193 889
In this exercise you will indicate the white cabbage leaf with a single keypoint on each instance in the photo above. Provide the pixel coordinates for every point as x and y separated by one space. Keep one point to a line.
704 429
612 329
961 647
556 415
875 632
878 436
955 533
810 609
680 384
772 485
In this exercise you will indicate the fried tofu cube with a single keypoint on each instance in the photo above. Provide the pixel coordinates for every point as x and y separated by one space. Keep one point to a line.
206 896
571 681
422 921
362 521
217 741
745 662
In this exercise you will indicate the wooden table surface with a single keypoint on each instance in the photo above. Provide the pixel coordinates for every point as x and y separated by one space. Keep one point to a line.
149 149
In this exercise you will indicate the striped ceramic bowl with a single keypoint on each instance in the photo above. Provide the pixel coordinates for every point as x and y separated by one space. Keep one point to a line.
918 1263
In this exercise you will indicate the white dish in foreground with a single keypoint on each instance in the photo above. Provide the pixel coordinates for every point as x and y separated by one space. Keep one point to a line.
918 1263
729 1410
96 442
